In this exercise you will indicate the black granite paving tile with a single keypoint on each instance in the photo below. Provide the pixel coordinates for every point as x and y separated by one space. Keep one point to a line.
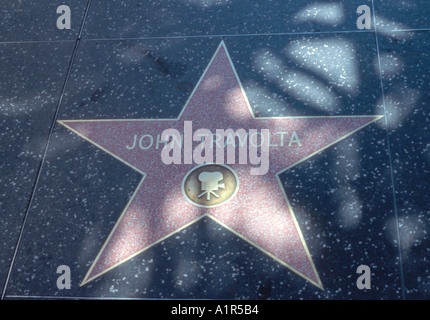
30 84
282 75
297 75
37 20
82 190
81 193
135 79
72 197
343 200
400 15
405 70
120 19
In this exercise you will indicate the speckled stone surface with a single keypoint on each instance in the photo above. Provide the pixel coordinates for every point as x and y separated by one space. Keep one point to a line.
217 17
406 76
30 84
37 20
134 78
401 15
342 197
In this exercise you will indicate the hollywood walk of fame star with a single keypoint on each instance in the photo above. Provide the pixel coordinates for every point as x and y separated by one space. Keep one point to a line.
259 212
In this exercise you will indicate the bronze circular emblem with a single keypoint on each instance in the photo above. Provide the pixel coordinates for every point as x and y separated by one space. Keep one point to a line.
210 185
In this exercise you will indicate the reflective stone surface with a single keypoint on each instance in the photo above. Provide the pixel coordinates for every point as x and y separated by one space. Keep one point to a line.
361 201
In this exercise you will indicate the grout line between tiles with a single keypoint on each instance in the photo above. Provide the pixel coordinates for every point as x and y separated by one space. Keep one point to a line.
39 170
35 41
211 36
227 35
247 35
390 159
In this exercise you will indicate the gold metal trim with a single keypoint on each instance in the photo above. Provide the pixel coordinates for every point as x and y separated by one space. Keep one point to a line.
222 44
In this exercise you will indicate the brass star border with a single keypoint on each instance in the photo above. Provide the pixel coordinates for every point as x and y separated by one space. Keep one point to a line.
103 132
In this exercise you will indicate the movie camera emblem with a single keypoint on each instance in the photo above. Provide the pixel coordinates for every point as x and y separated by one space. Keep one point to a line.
210 185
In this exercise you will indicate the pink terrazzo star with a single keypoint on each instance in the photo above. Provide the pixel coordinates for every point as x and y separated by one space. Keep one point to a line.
259 212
